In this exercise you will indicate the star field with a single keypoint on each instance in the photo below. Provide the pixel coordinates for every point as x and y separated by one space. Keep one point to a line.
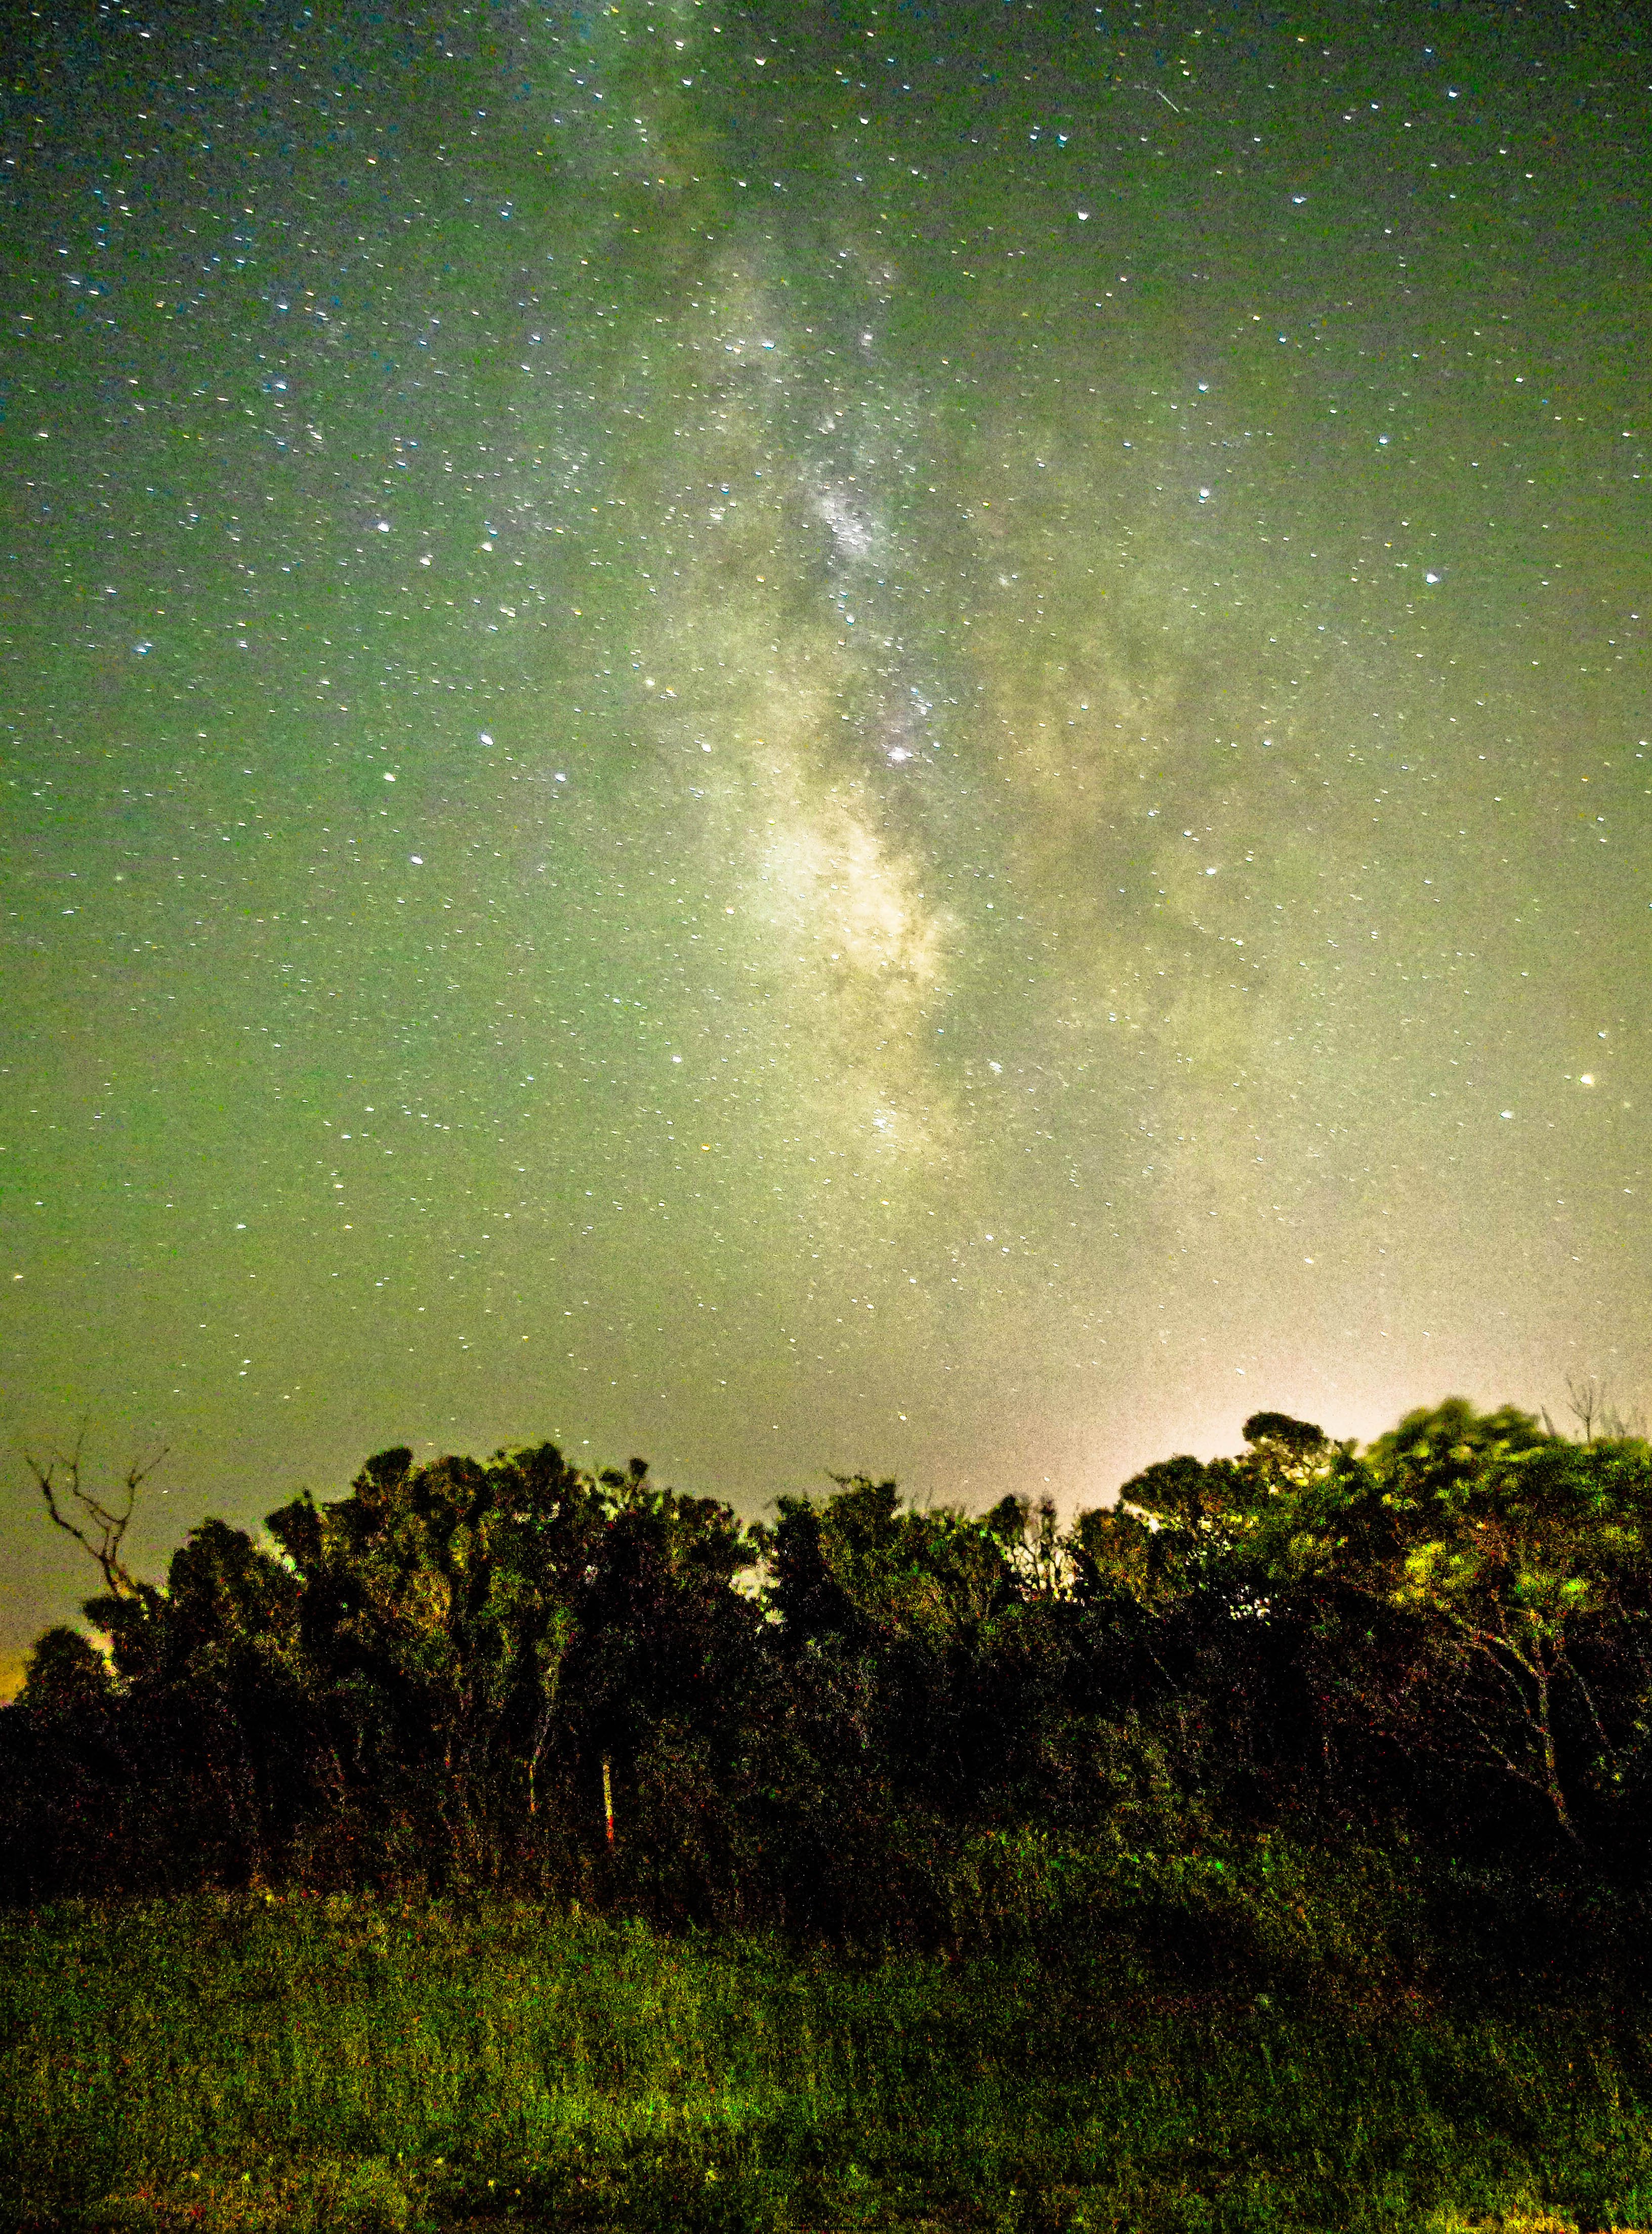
815 738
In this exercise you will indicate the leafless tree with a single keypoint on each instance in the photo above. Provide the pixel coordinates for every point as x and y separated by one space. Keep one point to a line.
1585 1399
1619 1425
60 1478
1598 1413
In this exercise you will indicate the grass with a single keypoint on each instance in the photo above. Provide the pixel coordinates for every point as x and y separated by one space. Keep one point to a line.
238 2063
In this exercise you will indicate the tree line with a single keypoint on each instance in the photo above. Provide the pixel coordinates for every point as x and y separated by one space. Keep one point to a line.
515 1673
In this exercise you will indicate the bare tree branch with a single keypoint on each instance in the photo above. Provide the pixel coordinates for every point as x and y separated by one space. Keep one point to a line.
110 1523
1585 1400
1598 1412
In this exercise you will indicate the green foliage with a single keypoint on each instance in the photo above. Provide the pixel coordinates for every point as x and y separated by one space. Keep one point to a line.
66 1679
1508 1570
444 1677
862 1571
1265 1850
483 1637
251 2063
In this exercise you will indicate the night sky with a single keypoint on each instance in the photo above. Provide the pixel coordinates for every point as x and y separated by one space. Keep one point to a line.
901 739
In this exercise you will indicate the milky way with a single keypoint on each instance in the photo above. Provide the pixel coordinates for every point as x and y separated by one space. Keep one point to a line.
816 739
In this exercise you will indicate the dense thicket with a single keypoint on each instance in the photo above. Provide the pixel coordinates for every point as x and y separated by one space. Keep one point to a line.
836 1723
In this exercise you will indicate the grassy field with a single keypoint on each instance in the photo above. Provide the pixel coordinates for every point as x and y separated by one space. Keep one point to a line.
240 2062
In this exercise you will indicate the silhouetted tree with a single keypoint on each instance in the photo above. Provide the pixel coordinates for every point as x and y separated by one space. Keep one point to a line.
443 1673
